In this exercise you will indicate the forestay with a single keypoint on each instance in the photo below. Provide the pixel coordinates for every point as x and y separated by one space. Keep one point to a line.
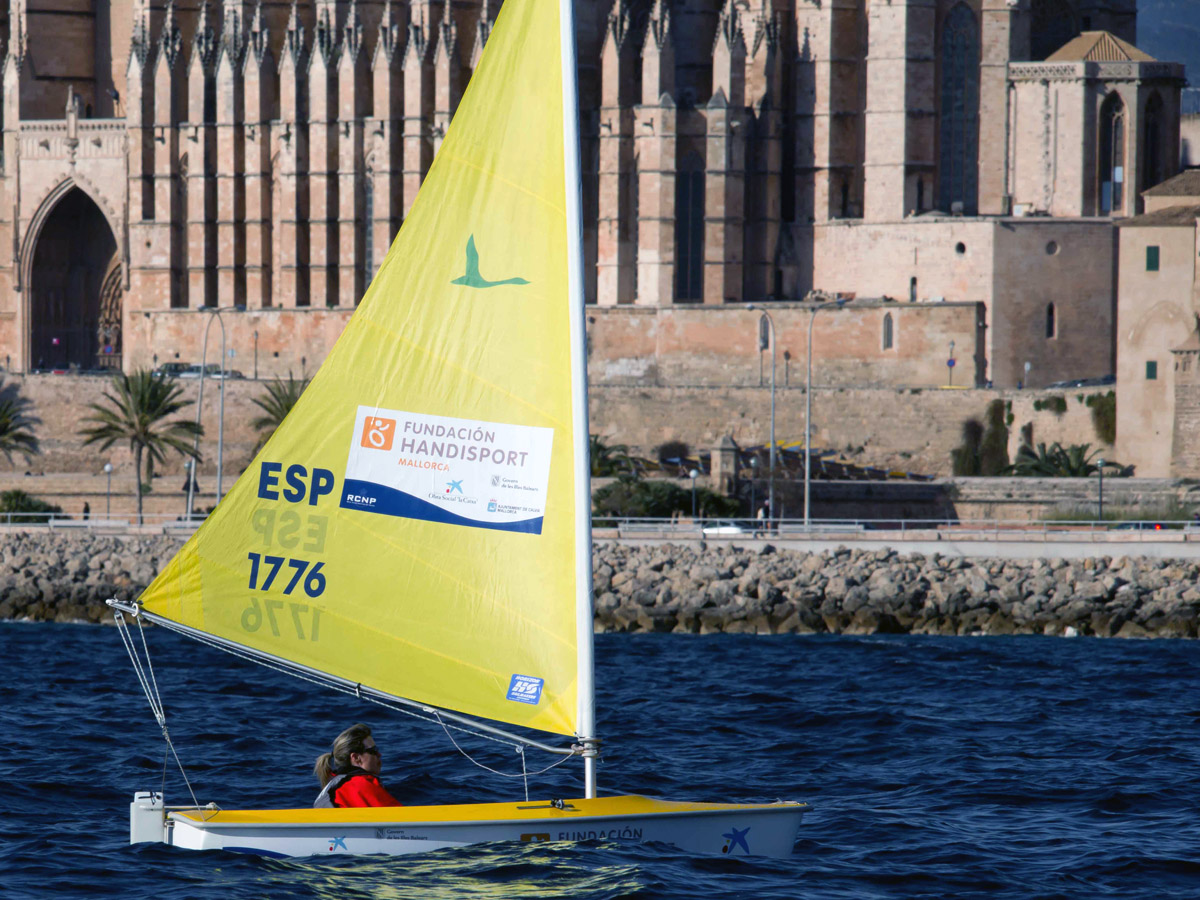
411 527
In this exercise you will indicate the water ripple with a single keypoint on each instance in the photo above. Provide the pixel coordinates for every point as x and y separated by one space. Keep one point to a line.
939 767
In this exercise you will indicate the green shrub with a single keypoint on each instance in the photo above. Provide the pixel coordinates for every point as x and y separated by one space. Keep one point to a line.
21 502
993 448
1055 403
658 499
1104 415
965 457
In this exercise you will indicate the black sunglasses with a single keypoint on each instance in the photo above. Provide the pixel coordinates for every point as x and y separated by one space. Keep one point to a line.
372 750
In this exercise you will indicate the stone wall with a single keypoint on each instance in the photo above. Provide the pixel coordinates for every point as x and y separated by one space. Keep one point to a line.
912 430
719 346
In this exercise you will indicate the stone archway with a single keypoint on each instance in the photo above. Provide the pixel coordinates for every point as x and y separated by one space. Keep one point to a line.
75 289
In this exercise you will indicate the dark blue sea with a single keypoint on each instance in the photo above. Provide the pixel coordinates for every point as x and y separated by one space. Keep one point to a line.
1010 767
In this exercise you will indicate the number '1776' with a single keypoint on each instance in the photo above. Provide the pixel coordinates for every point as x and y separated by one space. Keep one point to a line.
264 570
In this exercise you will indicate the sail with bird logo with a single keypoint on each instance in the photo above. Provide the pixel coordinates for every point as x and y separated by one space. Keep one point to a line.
412 525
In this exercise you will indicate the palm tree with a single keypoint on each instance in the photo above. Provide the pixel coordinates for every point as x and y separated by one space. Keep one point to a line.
1056 461
134 412
281 396
15 436
613 459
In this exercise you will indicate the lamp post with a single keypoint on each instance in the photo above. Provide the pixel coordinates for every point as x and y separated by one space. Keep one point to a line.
766 316
108 490
812 315
753 485
256 354
950 364
1100 505
693 474
216 314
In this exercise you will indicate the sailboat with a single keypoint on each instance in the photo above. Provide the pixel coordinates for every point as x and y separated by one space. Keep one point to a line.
417 531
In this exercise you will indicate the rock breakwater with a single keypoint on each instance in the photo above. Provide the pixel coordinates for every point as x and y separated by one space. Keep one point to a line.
703 589
60 577
762 590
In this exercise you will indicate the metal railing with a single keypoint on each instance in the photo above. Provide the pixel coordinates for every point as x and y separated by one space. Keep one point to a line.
903 529
165 523
722 528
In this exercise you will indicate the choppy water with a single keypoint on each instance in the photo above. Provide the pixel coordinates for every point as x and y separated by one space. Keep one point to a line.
1014 767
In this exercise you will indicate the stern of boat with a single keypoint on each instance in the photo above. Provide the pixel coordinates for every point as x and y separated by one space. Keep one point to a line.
147 818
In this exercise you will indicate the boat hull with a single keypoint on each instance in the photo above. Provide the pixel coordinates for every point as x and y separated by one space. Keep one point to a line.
717 828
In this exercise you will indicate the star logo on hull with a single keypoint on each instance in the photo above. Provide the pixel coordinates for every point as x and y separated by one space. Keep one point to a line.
735 839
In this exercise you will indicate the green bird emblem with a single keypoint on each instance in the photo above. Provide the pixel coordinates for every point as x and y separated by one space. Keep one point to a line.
472 278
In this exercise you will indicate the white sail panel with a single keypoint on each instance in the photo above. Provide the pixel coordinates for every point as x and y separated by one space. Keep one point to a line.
411 525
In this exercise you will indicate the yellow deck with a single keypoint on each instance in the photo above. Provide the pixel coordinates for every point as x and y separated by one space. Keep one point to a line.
600 807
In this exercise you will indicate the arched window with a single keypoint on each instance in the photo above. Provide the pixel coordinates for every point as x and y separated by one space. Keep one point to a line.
889 338
1111 155
689 228
1153 169
959 126
1051 321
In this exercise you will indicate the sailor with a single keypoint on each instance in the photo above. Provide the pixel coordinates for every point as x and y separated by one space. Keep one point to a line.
349 775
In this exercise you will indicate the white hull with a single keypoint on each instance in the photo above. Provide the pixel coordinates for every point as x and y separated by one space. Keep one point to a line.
733 829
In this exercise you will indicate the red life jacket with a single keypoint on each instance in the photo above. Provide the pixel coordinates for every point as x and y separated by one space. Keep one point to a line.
354 788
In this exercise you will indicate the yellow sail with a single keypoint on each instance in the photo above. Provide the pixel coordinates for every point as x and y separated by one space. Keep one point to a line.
410 526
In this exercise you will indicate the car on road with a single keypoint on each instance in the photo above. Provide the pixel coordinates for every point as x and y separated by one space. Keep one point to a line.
212 370
724 527
172 369
1101 381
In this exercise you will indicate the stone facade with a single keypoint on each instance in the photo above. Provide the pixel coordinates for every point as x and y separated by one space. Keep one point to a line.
1158 301
258 156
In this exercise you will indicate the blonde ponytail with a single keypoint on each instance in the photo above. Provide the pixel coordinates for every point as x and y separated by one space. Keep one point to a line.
349 741
324 768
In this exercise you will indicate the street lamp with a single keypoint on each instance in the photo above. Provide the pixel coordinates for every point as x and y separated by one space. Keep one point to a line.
256 354
1100 467
216 314
766 316
812 315
753 479
950 364
108 490
693 474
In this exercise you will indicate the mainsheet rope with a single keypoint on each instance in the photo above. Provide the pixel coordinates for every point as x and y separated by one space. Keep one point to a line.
431 715
149 685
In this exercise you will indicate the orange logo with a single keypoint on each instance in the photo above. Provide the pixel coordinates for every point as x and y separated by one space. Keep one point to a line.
378 433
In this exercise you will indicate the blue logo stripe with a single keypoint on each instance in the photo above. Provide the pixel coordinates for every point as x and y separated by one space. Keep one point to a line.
391 502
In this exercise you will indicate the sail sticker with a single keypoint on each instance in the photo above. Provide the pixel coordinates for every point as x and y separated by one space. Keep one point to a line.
525 689
455 471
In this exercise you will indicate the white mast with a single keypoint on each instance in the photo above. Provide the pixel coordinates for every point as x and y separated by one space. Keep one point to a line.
579 400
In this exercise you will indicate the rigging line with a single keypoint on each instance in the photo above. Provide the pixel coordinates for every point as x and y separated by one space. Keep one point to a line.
298 670
303 676
519 748
138 671
149 687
